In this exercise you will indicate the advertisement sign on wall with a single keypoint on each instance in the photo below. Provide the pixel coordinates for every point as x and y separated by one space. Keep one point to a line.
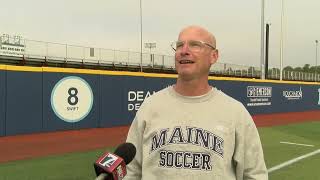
72 99
259 95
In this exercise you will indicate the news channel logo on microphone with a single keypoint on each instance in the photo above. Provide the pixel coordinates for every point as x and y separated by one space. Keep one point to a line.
71 99
108 160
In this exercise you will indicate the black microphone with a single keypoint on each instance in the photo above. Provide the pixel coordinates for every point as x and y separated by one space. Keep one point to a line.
113 166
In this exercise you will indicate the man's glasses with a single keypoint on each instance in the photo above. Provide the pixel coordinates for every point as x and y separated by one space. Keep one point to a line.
194 46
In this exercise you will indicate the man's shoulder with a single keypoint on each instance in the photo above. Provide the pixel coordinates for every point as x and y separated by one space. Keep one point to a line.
234 106
158 96
228 100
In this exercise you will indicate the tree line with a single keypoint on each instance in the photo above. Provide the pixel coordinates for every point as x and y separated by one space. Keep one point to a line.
306 69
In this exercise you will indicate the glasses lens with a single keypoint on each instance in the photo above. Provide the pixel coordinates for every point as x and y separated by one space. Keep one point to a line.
195 46
174 46
179 45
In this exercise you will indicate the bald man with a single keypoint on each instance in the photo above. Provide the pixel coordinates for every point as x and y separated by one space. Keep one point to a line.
191 130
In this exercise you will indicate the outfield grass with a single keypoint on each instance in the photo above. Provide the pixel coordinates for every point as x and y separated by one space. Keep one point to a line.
79 166
277 153
71 166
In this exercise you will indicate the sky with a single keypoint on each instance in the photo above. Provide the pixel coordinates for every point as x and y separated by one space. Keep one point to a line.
115 24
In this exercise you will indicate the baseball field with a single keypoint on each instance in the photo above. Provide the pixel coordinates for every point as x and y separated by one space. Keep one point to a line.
292 152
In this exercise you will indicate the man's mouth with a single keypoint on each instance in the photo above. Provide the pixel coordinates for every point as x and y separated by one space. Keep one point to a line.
186 62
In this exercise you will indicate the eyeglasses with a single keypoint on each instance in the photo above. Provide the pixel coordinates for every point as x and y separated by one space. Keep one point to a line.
193 45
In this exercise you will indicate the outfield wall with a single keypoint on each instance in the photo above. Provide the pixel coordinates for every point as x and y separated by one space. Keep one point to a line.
47 99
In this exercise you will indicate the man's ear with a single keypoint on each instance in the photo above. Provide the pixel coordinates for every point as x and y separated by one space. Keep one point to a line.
214 56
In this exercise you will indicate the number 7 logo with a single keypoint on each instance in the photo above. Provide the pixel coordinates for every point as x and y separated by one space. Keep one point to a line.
108 160
319 96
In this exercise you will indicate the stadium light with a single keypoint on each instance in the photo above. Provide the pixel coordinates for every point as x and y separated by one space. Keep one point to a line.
150 46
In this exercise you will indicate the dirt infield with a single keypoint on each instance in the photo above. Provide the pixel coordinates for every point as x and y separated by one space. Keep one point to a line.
39 145
44 144
263 120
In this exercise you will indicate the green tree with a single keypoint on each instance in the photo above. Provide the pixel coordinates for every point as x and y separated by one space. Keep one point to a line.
288 68
306 68
298 69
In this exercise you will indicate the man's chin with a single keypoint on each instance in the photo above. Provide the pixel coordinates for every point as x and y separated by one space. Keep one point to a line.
186 75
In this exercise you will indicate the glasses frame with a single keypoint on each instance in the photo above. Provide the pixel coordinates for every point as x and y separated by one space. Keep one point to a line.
173 44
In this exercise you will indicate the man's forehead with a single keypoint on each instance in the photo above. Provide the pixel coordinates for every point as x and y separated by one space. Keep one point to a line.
195 33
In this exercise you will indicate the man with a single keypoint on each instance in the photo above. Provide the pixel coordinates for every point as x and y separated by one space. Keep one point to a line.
191 130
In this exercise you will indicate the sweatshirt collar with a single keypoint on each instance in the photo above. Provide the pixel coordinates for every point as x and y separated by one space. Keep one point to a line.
195 99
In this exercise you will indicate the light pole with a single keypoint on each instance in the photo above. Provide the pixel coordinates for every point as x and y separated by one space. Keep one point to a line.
315 69
150 46
140 35
281 40
262 63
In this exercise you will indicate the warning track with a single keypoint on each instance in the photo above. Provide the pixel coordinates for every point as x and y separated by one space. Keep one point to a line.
43 144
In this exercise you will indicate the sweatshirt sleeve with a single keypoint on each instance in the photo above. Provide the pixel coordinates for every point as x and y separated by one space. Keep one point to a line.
248 157
135 134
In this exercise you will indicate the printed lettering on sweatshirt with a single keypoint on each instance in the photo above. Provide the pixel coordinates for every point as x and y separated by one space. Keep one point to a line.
188 136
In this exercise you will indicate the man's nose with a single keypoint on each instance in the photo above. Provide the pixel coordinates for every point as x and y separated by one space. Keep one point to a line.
185 49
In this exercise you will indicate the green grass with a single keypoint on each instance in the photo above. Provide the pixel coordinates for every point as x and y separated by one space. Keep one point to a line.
79 166
307 169
71 166
276 153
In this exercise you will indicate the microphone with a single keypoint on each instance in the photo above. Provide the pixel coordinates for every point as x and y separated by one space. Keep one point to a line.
113 166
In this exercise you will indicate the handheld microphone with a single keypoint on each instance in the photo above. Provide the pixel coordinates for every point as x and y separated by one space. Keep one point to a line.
113 166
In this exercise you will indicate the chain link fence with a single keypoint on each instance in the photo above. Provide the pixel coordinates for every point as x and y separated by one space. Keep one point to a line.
57 52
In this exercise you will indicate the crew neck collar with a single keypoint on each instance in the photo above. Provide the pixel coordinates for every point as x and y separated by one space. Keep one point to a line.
200 98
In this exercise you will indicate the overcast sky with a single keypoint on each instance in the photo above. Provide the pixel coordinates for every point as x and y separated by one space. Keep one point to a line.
115 24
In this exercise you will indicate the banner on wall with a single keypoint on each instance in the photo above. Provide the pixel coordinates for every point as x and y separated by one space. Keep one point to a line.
259 96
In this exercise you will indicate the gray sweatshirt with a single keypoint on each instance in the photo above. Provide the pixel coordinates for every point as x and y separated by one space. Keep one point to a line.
208 137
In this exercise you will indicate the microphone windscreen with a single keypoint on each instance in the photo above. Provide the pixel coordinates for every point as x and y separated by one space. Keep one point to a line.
126 151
